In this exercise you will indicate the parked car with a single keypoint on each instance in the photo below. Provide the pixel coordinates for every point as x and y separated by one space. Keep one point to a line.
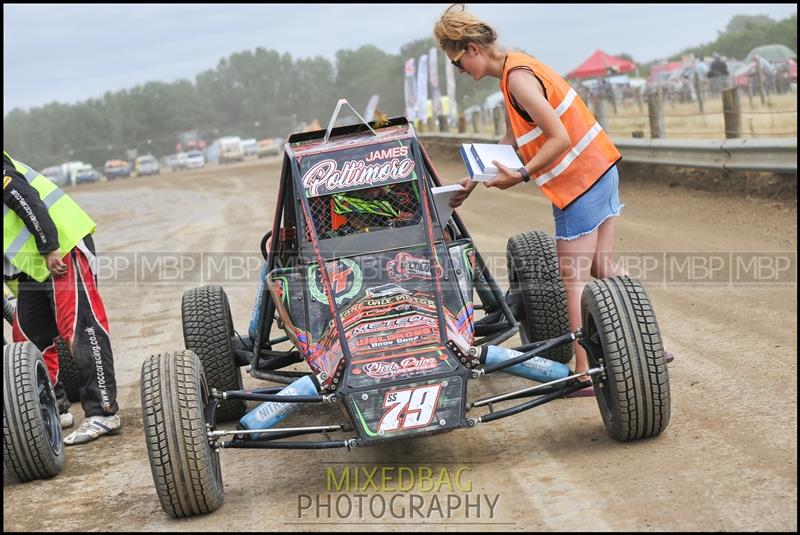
230 149
117 169
268 147
57 176
87 174
249 146
146 165
176 161
195 159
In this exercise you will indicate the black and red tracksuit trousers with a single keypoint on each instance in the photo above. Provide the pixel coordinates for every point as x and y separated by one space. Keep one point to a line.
70 307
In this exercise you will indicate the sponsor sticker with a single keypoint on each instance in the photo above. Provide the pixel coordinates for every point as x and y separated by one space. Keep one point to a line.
405 267
345 277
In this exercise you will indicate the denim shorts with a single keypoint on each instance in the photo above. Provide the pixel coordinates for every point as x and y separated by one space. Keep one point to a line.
585 214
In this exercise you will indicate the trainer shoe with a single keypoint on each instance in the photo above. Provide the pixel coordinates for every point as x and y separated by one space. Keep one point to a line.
93 427
67 420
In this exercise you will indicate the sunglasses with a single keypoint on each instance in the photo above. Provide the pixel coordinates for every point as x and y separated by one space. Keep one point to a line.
455 61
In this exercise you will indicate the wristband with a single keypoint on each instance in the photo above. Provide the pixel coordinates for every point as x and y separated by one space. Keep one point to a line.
524 172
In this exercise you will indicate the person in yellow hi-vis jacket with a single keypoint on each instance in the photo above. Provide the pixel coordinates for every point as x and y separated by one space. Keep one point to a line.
49 262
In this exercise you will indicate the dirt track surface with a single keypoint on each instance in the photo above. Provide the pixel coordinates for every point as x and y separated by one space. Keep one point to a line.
727 461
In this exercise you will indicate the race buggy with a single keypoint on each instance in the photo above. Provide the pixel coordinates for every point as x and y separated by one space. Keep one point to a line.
377 295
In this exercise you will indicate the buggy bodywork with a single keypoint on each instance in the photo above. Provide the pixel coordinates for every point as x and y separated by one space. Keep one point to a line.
381 300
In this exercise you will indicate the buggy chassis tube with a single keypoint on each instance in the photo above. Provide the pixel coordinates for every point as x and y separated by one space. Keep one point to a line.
544 388
269 445
546 346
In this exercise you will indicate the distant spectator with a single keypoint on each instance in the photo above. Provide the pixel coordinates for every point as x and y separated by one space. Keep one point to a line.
718 74
767 72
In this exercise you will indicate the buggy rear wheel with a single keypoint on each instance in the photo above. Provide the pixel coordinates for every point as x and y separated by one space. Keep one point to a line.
32 447
533 271
186 468
207 331
623 337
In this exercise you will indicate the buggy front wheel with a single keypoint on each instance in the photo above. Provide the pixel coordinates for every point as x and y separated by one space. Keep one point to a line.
622 336
186 468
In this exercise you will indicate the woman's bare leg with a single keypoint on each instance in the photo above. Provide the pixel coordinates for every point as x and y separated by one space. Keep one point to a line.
575 260
604 265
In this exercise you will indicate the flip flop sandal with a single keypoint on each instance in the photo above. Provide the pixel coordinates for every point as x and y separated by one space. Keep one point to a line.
586 392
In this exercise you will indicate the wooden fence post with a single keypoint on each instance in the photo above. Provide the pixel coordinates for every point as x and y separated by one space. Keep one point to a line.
600 110
476 119
497 116
731 111
760 81
443 126
462 123
699 89
655 112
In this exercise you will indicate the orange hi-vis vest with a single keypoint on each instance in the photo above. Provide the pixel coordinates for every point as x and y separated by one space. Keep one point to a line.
591 152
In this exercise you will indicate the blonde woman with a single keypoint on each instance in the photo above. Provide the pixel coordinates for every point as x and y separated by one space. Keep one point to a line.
565 151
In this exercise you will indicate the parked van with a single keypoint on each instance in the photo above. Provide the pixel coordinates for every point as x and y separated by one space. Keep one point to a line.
70 169
231 149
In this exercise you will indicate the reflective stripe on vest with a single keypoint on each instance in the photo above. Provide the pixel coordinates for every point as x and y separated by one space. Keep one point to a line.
536 132
591 152
71 222
571 155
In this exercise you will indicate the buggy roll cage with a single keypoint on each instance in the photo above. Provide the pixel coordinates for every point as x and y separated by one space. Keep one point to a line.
498 324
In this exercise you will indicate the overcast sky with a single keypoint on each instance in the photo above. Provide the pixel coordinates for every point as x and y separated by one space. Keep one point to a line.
69 53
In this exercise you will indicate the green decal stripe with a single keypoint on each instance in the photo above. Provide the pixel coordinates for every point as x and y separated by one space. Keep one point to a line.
363 423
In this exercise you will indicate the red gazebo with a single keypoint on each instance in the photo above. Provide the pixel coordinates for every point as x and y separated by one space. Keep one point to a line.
601 64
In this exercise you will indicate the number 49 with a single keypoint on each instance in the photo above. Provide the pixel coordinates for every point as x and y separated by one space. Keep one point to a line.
409 408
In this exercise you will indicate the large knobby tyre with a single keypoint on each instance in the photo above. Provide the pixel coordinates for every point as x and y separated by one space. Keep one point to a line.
207 331
68 372
186 469
533 271
620 326
32 447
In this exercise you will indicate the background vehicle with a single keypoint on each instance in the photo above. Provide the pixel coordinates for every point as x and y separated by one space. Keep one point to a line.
69 169
249 146
86 174
117 169
377 295
56 175
268 147
230 149
194 159
189 140
146 165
